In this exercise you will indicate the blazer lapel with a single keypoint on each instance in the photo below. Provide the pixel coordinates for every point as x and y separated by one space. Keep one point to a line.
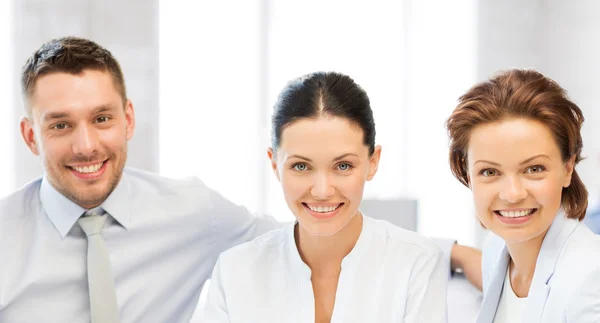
554 241
494 288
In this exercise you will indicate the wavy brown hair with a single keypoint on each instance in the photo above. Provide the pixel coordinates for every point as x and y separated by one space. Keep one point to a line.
519 93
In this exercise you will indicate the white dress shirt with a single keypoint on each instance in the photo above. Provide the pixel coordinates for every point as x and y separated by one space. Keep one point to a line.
163 237
391 275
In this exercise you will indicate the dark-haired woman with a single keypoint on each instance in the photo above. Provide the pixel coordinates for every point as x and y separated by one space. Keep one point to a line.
335 264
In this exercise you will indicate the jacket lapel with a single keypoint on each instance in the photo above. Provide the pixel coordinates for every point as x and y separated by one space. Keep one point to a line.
493 290
554 241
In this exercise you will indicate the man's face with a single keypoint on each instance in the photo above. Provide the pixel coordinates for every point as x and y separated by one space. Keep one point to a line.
79 127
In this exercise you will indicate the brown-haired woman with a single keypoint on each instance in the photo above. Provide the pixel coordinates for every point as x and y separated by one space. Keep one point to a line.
514 141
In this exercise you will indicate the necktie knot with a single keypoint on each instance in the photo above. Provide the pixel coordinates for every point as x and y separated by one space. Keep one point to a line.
92 222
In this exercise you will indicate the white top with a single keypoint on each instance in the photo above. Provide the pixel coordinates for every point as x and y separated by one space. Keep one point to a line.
163 237
391 275
511 306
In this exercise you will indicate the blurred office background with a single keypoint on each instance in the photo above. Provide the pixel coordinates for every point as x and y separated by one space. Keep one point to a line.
203 76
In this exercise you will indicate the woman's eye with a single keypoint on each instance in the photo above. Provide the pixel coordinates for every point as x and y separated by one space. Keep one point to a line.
344 166
489 172
535 169
300 167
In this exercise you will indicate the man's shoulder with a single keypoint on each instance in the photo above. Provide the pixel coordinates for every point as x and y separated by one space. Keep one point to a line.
21 199
145 180
184 195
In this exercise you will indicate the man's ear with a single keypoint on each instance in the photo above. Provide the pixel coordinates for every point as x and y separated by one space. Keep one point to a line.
130 119
28 134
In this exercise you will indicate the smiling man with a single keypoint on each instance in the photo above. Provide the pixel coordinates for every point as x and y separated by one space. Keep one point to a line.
93 239
79 124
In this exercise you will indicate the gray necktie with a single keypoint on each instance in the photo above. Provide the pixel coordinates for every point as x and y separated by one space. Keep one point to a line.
103 298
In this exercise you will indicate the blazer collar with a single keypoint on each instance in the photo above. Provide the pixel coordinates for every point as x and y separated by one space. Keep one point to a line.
552 246
494 287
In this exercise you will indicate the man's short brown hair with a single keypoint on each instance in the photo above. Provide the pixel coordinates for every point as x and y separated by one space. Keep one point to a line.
69 55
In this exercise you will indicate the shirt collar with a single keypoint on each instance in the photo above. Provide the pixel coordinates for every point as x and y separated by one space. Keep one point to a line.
117 203
364 240
297 264
348 262
63 213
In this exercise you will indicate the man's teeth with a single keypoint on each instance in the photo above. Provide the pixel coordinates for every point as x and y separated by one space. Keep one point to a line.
88 169
515 214
323 209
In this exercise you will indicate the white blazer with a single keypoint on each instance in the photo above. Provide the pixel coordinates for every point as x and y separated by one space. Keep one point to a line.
566 282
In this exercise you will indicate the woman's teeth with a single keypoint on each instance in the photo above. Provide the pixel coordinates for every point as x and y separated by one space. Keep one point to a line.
323 209
516 214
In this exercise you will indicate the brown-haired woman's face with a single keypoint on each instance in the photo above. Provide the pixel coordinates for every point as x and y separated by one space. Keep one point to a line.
516 174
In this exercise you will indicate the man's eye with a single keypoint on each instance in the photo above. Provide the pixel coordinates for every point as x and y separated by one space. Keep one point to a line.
102 119
60 126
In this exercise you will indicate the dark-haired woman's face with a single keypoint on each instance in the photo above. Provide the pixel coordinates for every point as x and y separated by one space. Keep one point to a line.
322 165
517 176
